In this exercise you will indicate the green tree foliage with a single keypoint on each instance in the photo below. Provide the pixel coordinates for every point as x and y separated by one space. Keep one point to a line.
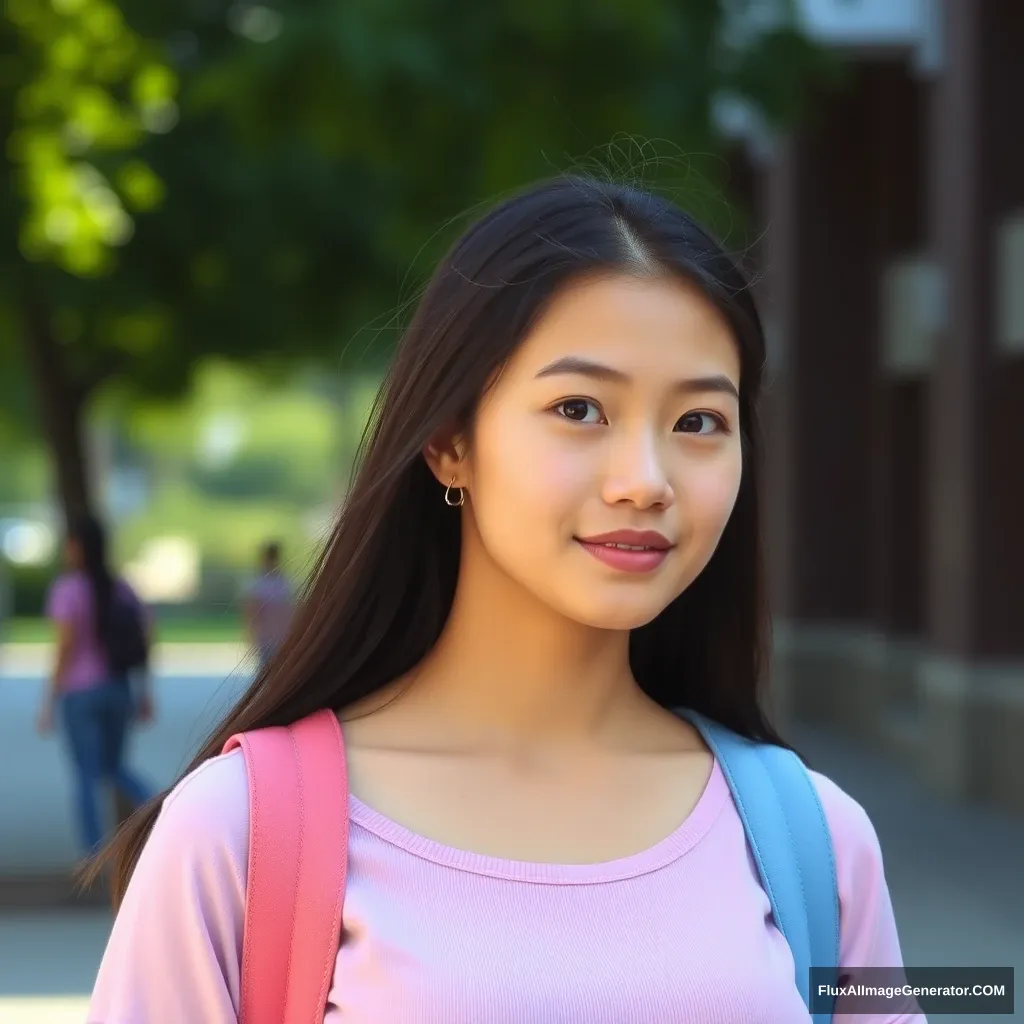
89 87
259 182
79 92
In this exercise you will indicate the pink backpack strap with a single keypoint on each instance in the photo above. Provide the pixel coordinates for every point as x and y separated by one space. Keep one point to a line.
298 856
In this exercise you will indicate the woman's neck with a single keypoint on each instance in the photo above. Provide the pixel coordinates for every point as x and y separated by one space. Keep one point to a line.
509 672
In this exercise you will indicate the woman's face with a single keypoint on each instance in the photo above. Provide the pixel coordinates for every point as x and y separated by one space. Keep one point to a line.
604 464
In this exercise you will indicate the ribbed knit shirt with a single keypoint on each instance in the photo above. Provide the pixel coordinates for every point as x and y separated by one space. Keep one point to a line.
680 932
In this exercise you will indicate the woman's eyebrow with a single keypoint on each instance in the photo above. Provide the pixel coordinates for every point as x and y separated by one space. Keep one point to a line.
580 367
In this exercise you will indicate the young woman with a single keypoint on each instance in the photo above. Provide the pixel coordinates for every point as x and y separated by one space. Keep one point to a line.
95 704
551 542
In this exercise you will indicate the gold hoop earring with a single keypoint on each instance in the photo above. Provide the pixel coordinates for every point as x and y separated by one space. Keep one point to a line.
448 495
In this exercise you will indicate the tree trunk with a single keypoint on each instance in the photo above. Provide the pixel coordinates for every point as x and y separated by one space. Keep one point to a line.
61 407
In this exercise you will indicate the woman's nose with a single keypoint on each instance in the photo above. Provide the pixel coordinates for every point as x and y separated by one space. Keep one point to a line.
636 473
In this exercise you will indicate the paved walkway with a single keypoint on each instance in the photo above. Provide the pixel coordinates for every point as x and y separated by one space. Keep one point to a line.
955 873
48 959
179 659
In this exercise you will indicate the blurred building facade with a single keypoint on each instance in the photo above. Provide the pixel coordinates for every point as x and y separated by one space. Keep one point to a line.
893 287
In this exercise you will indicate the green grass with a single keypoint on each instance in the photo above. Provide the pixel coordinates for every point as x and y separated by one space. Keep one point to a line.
171 629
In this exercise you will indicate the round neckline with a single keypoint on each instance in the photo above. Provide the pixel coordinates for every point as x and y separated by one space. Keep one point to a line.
682 839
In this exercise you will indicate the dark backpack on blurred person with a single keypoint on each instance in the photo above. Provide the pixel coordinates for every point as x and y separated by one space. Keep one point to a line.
127 645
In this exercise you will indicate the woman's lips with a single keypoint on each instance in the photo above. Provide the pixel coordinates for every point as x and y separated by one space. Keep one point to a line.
626 559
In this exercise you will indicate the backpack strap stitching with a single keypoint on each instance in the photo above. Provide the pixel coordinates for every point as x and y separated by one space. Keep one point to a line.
301 841
789 832
737 795
836 932
339 898
247 936
832 863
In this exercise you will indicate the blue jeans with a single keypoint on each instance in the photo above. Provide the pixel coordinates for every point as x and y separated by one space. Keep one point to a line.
96 723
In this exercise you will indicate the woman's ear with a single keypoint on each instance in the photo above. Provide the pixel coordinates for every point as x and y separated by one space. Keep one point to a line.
447 461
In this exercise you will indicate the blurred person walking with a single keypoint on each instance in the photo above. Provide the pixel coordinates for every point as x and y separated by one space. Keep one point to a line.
269 605
103 639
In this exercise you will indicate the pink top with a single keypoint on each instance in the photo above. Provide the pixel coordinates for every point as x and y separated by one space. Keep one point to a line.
71 600
679 932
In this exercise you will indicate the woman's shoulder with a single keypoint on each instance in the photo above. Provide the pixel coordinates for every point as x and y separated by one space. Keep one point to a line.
845 814
205 817
215 791
68 580
178 936
67 595
858 852
868 933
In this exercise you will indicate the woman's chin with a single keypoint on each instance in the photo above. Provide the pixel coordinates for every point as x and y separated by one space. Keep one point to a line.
615 614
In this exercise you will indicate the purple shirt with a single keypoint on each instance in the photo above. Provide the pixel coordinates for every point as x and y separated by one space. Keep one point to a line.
679 932
71 601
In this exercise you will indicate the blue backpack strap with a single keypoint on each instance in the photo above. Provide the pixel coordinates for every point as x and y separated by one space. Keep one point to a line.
790 840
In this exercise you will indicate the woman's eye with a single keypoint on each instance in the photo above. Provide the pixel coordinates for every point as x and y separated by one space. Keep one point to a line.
580 410
700 423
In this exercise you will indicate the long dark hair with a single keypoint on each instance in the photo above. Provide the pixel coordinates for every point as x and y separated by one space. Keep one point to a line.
88 533
383 586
